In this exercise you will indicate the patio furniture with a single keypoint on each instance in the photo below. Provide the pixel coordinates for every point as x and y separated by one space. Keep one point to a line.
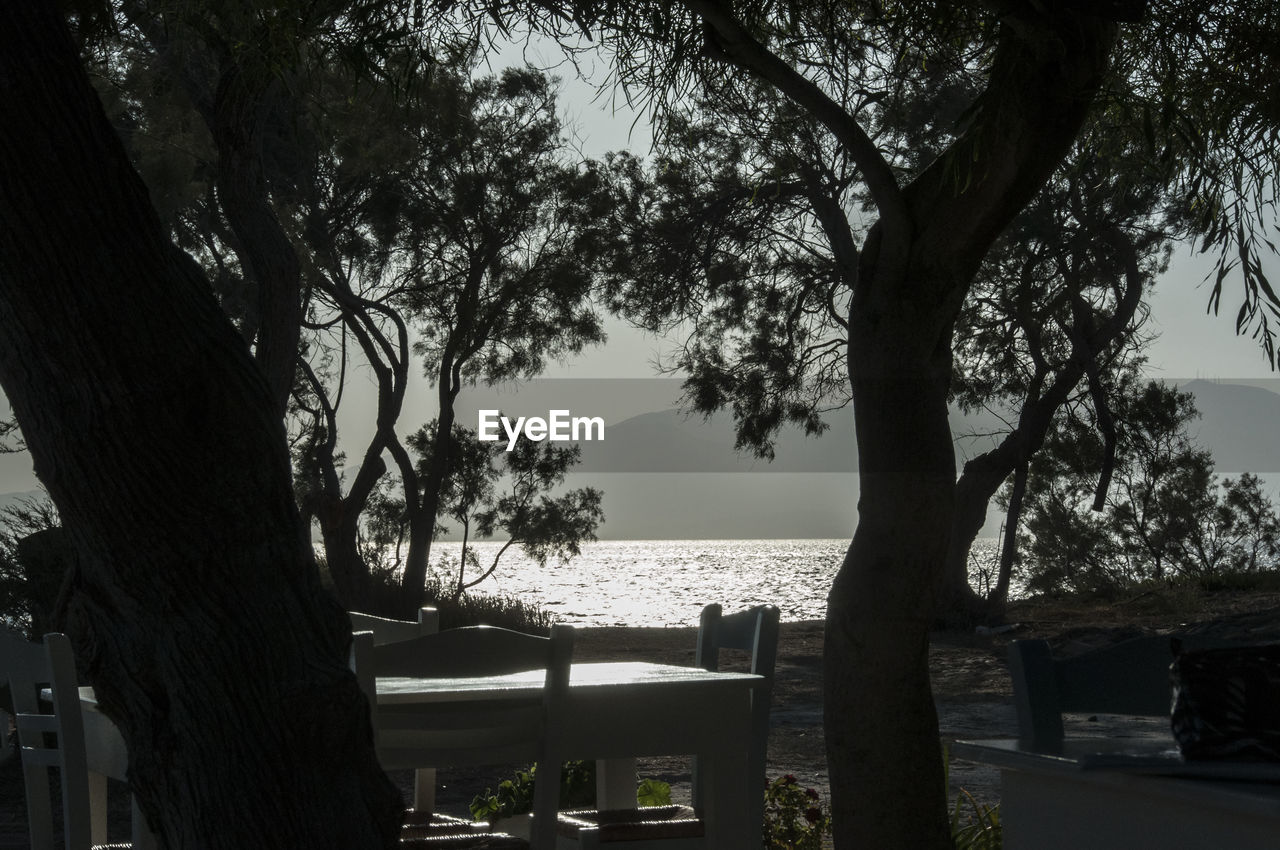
51 734
1128 678
474 841
443 831
463 728
615 711
30 668
755 632
1125 793
386 630
1136 790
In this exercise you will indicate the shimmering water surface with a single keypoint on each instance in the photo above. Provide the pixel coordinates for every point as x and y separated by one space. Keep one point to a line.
666 582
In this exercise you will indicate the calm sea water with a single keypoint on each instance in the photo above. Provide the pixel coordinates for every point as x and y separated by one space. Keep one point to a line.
666 582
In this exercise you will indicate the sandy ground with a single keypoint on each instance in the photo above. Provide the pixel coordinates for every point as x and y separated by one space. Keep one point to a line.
969 674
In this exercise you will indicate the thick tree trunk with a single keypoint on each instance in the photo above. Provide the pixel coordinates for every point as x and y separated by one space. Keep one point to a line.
195 608
881 727
880 722
340 532
241 111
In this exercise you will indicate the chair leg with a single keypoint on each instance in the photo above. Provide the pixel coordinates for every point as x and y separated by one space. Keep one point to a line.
97 808
616 783
424 790
39 806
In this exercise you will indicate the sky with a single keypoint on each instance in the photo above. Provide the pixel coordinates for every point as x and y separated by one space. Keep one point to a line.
1189 343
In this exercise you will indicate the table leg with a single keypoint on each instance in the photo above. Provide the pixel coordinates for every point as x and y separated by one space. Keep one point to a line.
424 790
616 783
724 786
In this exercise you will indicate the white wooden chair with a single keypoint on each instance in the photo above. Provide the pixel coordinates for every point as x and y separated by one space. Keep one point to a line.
51 735
386 630
754 632
461 733
1128 678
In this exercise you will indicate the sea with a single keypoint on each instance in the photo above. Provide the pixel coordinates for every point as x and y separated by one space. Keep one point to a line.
667 582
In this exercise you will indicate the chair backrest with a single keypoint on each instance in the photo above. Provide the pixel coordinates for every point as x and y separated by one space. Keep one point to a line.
50 734
386 630
1129 678
754 631
473 732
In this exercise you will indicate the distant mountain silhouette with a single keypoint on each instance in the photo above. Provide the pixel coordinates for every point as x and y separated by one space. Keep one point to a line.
671 441
1239 424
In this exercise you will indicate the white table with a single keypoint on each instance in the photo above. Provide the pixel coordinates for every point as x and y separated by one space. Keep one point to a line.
615 712
1125 794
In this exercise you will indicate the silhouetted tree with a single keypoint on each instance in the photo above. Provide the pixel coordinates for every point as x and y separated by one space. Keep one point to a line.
195 606
1165 516
542 524
484 242
801 90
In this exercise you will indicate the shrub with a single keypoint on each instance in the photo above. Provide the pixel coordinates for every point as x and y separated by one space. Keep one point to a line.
794 817
577 791
469 609
483 609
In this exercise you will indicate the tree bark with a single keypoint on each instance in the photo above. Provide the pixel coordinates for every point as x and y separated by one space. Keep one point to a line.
194 606
1009 544
241 110
883 748
881 727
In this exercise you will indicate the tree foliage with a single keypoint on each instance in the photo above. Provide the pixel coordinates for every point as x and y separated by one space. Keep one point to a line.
494 491
1167 514
475 235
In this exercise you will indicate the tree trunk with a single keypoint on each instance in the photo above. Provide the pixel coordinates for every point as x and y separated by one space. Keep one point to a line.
422 514
880 722
1009 545
883 749
340 531
194 607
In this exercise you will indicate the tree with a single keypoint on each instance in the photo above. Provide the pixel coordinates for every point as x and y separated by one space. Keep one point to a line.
482 236
906 236
363 170
196 611
32 552
1165 516
544 526
1056 305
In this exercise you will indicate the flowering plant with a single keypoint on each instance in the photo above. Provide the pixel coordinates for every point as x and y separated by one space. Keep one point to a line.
794 817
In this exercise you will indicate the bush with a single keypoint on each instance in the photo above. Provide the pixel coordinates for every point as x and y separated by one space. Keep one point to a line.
577 791
470 609
484 609
794 817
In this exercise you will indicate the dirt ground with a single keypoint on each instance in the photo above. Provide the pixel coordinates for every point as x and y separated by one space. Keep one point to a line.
969 674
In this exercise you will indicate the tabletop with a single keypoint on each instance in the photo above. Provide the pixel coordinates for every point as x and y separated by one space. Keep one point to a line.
582 677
